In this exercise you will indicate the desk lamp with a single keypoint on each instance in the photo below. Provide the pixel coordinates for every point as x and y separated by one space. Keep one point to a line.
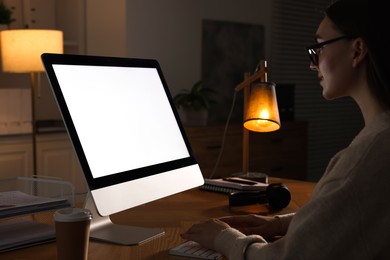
260 109
21 51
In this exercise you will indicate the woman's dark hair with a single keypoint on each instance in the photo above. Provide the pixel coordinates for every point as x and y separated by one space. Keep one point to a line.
368 19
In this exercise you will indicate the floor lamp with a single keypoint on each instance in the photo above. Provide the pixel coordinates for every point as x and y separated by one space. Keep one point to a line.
21 51
261 112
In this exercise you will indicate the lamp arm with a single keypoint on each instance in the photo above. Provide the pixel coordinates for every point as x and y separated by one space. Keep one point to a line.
260 73
249 80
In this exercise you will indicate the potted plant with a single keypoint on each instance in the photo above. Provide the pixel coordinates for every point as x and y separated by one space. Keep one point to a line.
5 16
194 104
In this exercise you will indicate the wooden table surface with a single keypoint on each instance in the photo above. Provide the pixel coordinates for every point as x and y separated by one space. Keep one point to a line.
174 215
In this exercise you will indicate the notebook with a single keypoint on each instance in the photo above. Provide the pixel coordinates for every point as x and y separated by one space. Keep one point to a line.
232 184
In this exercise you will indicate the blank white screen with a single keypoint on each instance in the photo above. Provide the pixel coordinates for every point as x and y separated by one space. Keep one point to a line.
122 117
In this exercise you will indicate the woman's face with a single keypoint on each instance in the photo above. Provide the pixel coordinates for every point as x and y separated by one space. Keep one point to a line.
334 69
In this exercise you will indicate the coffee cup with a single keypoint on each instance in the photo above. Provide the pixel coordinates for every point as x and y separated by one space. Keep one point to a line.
72 227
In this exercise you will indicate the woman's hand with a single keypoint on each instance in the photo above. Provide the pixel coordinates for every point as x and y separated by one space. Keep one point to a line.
205 232
268 227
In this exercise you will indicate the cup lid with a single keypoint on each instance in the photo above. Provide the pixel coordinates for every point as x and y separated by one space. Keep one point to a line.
72 214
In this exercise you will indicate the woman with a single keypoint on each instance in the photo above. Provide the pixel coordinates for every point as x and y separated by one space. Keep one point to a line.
348 216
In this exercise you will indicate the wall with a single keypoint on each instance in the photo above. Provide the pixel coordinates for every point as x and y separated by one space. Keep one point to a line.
106 27
170 31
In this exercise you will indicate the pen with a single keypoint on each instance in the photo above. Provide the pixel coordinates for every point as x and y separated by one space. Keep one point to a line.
241 181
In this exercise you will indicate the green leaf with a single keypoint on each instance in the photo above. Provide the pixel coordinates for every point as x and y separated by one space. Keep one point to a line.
198 97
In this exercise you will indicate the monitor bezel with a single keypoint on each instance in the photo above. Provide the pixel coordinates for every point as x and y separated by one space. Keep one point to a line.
50 59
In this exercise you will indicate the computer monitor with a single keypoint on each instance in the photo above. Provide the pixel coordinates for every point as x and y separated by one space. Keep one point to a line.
127 135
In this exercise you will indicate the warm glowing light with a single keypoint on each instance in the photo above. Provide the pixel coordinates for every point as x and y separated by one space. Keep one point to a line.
21 49
262 112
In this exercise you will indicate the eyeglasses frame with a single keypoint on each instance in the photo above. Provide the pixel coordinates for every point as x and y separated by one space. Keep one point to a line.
312 50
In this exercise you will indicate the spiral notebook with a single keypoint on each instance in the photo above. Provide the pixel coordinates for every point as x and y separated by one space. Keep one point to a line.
232 184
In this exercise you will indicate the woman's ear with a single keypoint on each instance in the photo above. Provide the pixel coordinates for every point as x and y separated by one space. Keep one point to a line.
359 51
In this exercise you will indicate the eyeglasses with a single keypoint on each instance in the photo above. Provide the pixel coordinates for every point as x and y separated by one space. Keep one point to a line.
313 50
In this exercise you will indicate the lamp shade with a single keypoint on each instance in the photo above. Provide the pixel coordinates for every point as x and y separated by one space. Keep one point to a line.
262 114
21 49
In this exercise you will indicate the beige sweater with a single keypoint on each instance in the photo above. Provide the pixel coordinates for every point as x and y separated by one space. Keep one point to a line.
348 216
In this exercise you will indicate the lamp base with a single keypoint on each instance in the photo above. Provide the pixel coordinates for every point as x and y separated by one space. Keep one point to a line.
254 176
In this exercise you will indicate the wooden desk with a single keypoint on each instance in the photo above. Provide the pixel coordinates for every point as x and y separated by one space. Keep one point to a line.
174 214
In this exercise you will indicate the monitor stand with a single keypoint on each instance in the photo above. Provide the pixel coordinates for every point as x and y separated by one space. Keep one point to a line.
102 229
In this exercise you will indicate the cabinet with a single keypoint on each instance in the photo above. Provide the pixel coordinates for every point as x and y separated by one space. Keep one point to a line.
279 154
55 158
15 156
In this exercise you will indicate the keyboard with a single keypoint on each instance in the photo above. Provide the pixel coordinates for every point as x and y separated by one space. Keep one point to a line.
193 249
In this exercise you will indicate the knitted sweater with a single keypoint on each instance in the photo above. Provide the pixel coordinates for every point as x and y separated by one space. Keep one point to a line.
348 216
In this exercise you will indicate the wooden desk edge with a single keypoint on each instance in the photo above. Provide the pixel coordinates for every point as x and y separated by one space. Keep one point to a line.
174 214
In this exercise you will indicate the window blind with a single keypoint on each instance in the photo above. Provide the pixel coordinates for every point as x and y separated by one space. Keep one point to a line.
332 124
